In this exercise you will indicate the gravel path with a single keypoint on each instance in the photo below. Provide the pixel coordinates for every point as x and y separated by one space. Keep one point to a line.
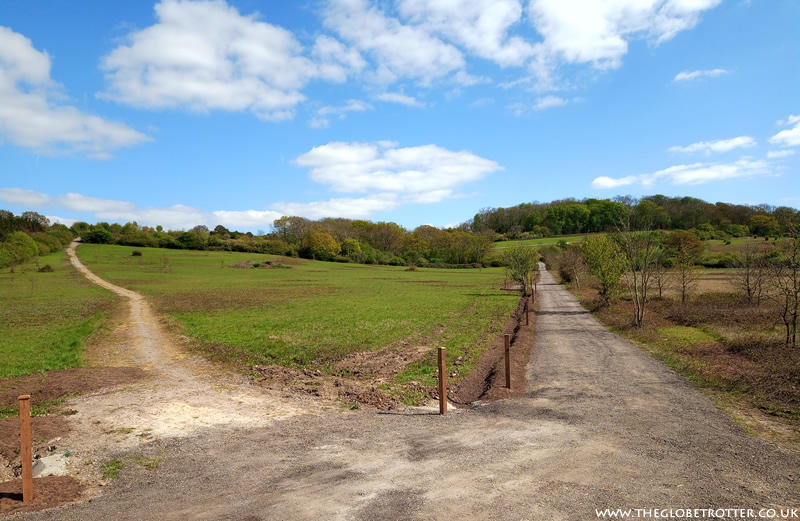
602 426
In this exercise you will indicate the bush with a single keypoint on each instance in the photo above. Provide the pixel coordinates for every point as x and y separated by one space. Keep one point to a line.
99 236
136 253
46 269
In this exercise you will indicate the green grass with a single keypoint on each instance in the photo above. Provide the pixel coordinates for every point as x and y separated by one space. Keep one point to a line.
499 246
111 468
46 317
314 313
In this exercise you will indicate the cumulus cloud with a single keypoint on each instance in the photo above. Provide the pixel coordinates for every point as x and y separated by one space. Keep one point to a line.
694 75
790 137
33 113
719 146
693 174
206 56
382 167
399 50
480 27
599 34
22 197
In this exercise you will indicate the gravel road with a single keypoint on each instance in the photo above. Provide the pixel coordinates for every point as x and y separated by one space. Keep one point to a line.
601 426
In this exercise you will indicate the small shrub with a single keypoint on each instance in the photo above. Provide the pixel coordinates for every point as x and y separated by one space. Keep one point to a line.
136 253
46 269
256 264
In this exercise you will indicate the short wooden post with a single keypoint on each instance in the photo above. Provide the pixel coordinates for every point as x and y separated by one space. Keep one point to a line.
26 447
442 382
527 315
507 339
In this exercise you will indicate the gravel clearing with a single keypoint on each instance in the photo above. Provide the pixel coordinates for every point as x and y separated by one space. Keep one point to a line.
602 425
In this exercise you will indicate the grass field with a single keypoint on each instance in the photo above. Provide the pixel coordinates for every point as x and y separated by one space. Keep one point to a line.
46 317
308 313
499 246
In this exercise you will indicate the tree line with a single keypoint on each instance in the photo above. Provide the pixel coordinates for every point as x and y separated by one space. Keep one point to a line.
330 239
570 216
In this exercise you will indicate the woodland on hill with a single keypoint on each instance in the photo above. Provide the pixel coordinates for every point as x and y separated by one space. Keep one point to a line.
470 244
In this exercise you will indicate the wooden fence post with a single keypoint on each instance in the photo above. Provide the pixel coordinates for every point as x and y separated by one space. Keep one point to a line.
442 382
507 339
527 314
26 447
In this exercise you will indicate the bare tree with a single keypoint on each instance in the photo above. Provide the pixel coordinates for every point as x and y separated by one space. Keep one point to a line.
662 277
751 273
784 279
571 265
640 251
686 274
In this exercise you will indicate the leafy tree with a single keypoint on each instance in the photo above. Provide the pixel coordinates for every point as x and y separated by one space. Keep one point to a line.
318 244
605 261
521 261
688 242
764 225
351 249
98 236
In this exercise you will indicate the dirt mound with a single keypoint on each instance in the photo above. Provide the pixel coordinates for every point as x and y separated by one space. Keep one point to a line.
47 493
49 386
329 387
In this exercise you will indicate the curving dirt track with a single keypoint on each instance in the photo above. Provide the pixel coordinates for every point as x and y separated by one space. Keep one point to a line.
601 426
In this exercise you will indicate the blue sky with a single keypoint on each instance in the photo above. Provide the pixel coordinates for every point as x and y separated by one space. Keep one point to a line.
419 112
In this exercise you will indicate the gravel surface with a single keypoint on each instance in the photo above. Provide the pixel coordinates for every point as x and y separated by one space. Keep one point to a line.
602 425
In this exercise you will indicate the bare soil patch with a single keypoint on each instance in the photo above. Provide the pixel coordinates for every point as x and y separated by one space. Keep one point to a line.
49 492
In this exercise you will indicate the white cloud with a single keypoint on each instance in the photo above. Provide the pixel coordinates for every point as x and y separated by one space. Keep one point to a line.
320 120
351 208
548 102
363 167
719 146
693 75
777 154
54 219
482 102
82 203
245 219
788 138
22 197
693 174
205 55
598 33
479 26
397 97
399 50
791 120
32 112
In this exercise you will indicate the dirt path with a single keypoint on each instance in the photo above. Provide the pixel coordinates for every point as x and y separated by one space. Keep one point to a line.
602 426
181 395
